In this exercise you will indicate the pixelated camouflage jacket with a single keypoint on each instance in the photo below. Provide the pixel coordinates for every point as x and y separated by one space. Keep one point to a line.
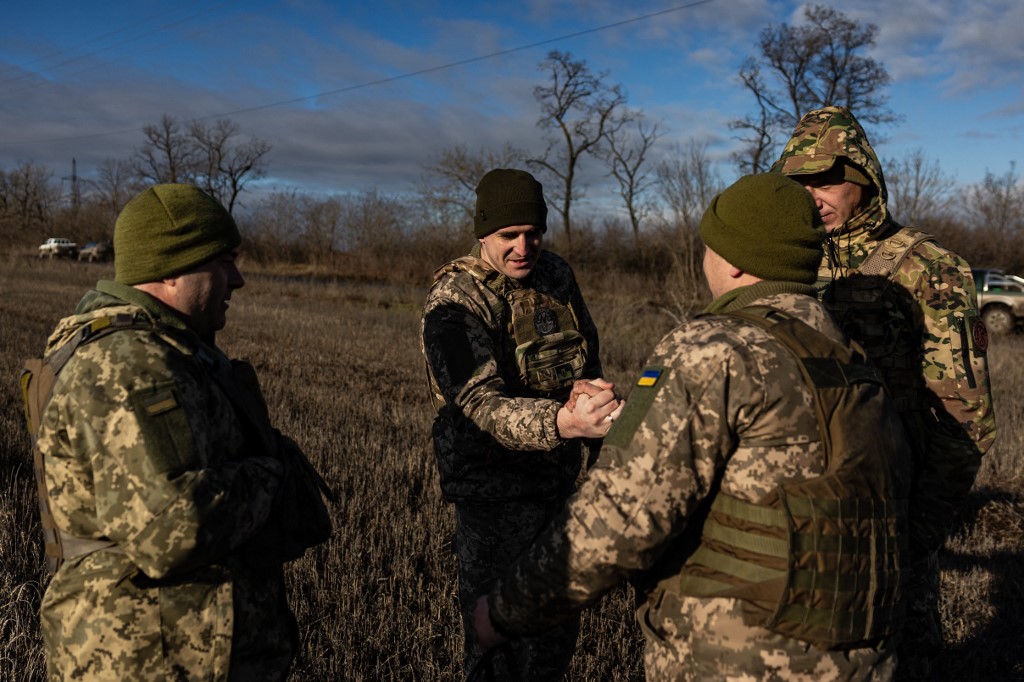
924 331
731 413
494 438
143 448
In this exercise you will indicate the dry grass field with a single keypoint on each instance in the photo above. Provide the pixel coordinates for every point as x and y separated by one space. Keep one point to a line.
341 368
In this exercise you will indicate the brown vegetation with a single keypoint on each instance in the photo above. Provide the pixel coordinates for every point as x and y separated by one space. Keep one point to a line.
341 367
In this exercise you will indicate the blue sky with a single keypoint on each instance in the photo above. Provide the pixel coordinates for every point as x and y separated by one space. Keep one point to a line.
80 80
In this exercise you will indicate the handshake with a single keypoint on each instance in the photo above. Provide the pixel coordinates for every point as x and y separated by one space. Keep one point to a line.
590 410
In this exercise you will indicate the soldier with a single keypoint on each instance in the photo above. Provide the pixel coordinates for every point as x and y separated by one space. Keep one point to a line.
911 304
174 501
764 544
507 336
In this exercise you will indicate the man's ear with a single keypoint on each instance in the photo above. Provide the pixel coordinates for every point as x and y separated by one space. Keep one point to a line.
735 272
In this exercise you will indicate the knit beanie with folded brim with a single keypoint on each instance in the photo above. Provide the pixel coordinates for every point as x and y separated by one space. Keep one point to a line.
768 226
170 229
507 196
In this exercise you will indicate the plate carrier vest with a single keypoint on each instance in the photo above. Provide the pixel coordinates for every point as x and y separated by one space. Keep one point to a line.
541 335
820 560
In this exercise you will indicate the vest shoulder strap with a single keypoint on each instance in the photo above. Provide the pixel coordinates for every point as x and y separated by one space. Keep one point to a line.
37 380
885 260
496 282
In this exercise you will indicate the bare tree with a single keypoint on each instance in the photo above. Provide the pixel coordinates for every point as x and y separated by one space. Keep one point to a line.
800 68
919 192
274 227
167 155
687 182
626 155
451 180
28 197
206 156
997 202
224 168
579 109
114 185
324 222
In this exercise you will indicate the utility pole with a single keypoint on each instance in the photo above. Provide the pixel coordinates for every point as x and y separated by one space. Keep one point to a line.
76 194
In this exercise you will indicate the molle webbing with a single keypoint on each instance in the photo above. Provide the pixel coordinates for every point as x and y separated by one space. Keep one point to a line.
767 537
886 259
550 351
818 560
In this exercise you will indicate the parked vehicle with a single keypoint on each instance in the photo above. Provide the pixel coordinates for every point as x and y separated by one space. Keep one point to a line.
58 247
1000 299
97 251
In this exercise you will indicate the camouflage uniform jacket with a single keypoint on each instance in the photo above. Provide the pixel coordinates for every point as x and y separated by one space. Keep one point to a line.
142 447
926 335
731 413
495 438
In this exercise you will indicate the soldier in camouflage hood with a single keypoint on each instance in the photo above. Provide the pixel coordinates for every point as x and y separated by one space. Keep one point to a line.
711 467
176 502
507 336
911 303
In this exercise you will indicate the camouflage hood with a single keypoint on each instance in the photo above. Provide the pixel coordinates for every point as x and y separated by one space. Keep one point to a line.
827 134
107 300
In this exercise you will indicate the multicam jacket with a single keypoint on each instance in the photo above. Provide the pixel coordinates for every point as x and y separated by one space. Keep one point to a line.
143 448
920 325
496 438
731 415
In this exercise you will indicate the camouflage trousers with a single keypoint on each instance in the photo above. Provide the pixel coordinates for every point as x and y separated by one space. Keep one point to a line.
488 538
922 635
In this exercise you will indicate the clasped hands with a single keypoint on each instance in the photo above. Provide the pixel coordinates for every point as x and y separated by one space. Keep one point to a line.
590 410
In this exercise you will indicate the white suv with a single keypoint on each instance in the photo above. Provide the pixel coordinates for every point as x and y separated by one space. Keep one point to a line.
57 247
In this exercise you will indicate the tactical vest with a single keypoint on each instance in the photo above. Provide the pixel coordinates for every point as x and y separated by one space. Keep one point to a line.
539 335
37 380
821 560
868 305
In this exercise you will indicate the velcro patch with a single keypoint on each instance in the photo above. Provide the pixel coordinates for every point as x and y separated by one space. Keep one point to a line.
979 334
649 377
639 402
164 401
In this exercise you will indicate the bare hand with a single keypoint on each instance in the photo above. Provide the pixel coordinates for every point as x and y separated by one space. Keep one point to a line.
589 387
592 416
486 635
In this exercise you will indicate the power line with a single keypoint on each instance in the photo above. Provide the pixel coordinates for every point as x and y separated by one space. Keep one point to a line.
90 41
392 79
230 21
156 30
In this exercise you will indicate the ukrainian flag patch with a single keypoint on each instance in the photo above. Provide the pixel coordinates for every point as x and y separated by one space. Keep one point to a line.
649 377
637 405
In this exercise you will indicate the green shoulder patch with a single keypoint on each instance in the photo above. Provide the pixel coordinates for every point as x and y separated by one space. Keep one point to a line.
639 402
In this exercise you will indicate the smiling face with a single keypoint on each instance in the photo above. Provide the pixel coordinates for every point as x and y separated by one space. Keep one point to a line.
513 251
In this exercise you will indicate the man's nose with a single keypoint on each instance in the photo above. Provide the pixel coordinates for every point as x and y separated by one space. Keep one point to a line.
236 281
814 194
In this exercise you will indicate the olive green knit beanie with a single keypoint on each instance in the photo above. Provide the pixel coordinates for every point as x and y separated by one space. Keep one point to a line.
167 230
506 196
768 226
